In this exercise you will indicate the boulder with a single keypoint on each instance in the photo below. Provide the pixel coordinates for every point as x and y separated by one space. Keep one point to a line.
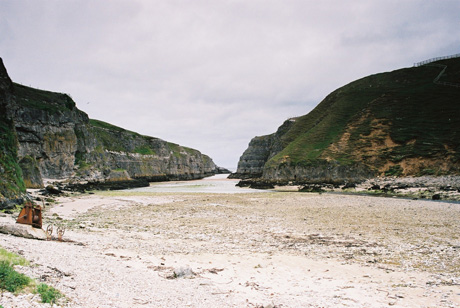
50 189
8 225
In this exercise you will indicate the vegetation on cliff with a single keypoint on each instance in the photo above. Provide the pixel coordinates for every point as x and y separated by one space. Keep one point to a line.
109 136
11 181
48 101
395 123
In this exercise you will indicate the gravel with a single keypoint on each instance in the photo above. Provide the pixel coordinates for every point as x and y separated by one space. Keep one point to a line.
246 250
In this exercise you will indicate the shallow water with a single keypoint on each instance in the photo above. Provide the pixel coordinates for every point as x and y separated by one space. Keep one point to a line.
217 184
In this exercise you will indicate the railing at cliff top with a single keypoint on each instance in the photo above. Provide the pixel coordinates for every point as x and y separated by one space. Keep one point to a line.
436 59
444 67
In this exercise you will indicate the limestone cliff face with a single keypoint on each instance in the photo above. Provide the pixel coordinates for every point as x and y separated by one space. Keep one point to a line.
325 172
259 151
49 137
45 124
108 147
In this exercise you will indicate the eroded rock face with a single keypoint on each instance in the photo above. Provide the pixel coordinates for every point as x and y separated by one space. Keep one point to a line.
259 151
320 173
49 138
140 156
56 140
252 162
31 172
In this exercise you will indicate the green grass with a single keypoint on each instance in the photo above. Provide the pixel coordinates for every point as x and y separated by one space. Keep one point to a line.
108 126
12 258
48 294
114 138
175 148
51 102
109 136
10 280
144 150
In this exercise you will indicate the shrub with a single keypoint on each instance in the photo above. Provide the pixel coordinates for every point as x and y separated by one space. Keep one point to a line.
11 280
48 294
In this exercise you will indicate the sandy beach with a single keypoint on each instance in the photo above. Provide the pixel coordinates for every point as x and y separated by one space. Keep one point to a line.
270 249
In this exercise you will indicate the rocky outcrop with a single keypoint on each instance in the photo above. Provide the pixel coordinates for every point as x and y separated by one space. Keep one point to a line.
320 172
31 172
45 124
49 137
259 151
251 163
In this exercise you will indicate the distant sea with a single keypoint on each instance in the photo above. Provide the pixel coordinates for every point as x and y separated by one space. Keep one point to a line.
217 184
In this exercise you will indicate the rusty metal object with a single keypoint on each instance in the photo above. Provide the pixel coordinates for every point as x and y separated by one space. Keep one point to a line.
60 232
49 232
31 215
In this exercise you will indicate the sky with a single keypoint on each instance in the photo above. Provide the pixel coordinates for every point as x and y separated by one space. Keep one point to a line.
213 74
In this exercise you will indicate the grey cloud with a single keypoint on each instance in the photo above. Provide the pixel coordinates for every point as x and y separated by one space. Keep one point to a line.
213 74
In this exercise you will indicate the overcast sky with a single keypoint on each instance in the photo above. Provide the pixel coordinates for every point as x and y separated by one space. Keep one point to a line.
213 74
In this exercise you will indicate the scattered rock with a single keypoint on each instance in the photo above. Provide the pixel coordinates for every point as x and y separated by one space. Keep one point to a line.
50 189
256 184
108 185
312 188
349 185
182 272
9 204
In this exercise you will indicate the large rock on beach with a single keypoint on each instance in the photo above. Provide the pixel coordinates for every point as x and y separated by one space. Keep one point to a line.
8 225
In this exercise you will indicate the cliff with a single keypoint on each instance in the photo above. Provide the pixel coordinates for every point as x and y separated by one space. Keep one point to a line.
260 150
12 185
400 123
44 135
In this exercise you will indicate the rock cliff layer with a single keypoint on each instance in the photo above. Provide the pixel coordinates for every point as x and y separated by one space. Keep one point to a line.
44 135
401 123
259 151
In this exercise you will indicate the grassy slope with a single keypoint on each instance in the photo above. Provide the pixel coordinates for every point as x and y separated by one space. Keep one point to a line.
406 99
109 134
42 100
